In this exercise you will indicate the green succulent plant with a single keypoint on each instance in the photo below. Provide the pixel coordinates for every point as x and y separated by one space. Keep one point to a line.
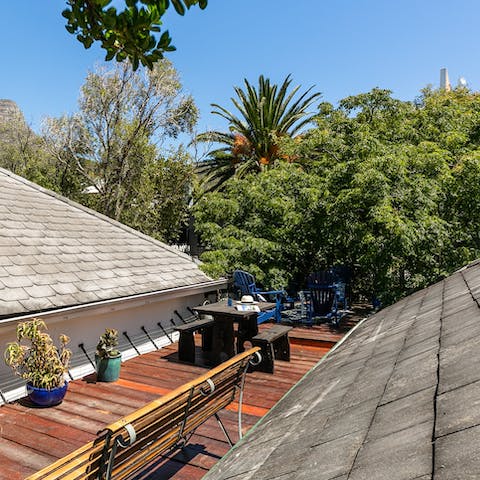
106 346
35 358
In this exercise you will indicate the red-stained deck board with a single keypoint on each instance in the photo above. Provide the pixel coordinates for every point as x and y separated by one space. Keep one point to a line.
29 419
118 398
19 460
35 440
31 438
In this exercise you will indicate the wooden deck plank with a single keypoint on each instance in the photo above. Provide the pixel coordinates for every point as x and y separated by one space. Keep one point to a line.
35 423
116 392
66 418
20 460
89 406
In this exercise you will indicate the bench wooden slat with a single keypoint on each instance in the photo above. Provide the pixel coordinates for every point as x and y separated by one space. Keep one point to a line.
80 464
159 426
199 405
124 469
241 358
201 408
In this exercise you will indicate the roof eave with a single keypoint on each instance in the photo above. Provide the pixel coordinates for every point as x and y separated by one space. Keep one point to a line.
116 304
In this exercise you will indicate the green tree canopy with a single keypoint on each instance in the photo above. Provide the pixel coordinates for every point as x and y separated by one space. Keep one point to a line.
111 149
23 152
265 224
392 194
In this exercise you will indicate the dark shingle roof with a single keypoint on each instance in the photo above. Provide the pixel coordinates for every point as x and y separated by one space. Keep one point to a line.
56 253
398 399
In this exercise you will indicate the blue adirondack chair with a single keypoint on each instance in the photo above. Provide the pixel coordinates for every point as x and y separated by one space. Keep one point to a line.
244 283
328 294
320 286
339 305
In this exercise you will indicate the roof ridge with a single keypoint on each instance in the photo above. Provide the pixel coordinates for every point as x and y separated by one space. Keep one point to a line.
94 213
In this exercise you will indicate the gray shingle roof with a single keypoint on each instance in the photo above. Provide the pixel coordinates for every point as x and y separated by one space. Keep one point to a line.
56 253
398 399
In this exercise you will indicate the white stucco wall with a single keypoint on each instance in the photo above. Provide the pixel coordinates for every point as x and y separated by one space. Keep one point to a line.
85 325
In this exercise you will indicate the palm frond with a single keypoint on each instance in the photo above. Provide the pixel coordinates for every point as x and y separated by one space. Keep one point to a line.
264 113
215 137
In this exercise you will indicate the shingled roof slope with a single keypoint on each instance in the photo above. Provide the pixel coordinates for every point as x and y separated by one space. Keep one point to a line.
55 253
399 399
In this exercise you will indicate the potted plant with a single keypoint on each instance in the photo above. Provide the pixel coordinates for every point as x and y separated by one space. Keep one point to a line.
35 358
107 357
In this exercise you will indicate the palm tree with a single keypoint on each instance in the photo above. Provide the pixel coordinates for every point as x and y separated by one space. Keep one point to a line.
266 114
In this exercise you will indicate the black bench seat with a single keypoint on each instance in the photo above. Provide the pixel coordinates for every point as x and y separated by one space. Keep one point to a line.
274 343
186 342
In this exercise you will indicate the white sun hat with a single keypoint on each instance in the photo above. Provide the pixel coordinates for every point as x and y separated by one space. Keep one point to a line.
247 299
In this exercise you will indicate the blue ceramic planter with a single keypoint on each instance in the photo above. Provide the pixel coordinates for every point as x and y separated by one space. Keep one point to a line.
44 397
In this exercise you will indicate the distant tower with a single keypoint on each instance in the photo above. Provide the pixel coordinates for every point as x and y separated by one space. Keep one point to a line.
444 81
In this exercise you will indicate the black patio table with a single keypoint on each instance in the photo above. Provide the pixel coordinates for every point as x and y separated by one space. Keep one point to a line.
223 335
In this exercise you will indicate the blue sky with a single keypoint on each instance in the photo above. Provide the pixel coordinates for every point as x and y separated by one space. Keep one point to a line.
343 47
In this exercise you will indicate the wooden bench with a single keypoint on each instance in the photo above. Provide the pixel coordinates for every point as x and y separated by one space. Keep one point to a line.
186 342
130 445
274 344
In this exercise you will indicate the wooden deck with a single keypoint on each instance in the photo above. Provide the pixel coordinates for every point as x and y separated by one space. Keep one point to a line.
31 438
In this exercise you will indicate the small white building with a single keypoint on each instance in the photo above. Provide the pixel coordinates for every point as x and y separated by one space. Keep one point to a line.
83 272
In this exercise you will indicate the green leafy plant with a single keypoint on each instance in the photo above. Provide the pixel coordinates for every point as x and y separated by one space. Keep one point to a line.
35 358
106 346
133 33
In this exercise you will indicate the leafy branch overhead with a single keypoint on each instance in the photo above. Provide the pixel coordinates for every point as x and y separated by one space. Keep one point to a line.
133 33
